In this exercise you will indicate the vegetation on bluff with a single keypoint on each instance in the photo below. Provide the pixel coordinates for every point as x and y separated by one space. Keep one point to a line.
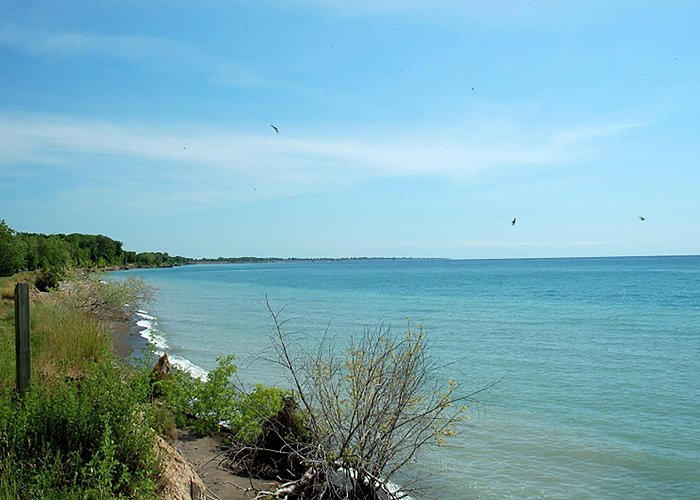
84 427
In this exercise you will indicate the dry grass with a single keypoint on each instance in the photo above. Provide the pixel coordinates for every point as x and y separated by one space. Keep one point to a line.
63 339
67 339
7 288
7 285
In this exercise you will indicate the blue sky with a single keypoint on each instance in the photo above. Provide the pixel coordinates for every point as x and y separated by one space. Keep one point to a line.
406 128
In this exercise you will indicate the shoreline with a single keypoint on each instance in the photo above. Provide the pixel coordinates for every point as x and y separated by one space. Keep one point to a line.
126 338
199 453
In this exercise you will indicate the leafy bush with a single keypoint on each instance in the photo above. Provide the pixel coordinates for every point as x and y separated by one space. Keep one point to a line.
201 405
255 409
89 438
48 279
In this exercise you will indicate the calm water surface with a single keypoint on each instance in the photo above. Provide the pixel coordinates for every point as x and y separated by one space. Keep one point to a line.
599 358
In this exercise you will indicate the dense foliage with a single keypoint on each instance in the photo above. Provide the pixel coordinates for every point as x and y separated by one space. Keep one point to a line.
83 429
53 254
11 251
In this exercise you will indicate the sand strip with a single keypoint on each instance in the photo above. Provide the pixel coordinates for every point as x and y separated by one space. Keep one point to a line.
126 339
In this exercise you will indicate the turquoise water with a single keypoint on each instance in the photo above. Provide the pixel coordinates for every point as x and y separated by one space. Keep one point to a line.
599 358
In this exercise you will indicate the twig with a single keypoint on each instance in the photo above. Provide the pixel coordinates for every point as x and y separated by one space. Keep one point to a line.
211 460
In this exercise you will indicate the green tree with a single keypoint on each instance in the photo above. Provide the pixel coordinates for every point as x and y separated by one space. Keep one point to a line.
11 251
31 247
54 253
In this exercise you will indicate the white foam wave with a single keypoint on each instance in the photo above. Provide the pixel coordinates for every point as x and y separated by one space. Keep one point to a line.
144 314
387 490
150 332
186 365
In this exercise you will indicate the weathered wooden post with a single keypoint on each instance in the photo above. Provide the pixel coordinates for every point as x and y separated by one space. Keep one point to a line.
22 336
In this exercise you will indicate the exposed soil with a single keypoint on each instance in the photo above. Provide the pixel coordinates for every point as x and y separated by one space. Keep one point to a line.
206 456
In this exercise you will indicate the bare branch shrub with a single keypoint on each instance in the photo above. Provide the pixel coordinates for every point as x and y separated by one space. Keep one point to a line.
371 408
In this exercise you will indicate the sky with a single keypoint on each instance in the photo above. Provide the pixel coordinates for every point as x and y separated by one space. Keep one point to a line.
406 128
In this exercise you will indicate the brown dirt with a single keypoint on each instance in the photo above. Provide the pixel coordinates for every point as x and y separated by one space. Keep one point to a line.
206 455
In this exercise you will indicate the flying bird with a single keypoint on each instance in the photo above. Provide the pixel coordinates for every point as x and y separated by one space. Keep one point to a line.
512 223
276 129
642 218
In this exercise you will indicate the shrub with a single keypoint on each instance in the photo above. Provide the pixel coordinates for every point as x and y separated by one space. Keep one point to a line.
255 409
201 405
107 297
78 439
370 409
48 279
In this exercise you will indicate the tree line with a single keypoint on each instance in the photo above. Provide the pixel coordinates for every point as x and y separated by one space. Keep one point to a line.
57 253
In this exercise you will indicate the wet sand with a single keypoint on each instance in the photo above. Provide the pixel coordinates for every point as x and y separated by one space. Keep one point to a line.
126 339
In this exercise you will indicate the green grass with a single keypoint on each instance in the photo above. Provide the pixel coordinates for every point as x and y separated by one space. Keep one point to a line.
83 430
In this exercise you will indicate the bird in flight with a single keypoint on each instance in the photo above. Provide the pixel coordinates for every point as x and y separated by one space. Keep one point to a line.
512 223
642 218
276 129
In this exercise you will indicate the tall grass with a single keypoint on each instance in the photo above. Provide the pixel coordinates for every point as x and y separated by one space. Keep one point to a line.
65 340
83 430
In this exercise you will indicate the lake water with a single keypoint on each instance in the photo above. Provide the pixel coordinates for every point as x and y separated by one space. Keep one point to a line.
599 358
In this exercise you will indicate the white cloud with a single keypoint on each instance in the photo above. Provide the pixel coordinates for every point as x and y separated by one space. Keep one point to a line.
153 53
234 164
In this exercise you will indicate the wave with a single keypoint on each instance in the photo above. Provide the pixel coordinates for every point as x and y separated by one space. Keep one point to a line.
148 330
188 366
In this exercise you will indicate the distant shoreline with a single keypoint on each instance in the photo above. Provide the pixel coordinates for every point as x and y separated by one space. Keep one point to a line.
285 260
264 260
272 260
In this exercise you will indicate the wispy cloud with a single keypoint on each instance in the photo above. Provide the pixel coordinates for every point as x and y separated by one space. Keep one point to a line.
73 44
153 53
502 14
216 165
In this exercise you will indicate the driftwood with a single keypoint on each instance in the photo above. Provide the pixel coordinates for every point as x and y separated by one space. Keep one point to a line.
163 368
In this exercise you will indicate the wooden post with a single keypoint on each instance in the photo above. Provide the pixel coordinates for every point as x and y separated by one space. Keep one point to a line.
22 336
